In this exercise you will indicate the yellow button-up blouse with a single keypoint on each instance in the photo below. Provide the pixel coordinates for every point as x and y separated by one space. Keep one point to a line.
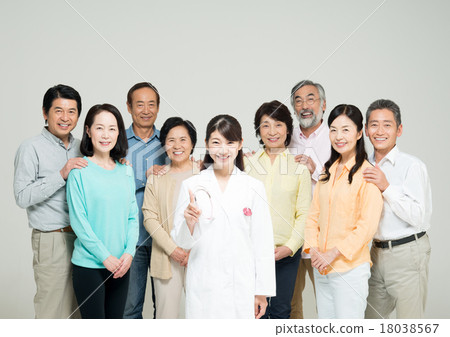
288 189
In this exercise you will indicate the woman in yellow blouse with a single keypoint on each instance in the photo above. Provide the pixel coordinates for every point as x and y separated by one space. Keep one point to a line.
343 218
288 189
168 261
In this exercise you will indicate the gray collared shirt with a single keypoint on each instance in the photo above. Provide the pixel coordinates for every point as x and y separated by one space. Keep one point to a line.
38 184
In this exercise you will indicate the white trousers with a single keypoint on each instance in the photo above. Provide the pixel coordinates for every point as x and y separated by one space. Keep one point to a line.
342 295
168 292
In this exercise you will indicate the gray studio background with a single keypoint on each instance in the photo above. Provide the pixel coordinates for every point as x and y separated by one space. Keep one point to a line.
209 57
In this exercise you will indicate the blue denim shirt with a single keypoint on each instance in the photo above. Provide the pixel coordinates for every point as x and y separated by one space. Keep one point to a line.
143 155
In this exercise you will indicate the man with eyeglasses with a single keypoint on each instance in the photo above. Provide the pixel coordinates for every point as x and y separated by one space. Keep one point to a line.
311 142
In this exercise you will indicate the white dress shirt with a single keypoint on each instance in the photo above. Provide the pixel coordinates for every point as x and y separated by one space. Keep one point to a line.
317 146
407 200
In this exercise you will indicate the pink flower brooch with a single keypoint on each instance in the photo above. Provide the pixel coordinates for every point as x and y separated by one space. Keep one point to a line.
247 211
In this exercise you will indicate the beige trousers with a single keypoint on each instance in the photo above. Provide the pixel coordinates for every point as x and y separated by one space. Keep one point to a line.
399 280
168 292
52 253
297 299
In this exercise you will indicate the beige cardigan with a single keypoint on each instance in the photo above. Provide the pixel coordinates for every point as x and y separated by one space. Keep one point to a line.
158 221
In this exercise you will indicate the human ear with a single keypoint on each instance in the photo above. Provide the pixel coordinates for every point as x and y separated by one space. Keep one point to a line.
45 115
359 135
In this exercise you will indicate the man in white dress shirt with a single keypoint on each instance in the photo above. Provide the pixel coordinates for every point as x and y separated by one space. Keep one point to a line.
401 249
311 143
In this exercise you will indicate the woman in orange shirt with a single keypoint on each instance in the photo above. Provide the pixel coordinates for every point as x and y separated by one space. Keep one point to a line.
343 218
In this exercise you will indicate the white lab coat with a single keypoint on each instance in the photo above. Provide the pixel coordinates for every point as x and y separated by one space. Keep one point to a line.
232 256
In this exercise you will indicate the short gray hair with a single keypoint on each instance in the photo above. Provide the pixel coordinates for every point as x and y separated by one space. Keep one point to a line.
308 82
380 104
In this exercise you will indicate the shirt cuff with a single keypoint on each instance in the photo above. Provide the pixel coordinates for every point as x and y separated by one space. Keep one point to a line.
294 245
52 183
315 176
170 247
347 253
391 193
130 250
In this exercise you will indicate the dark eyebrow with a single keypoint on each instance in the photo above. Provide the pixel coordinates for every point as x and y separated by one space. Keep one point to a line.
381 121
298 96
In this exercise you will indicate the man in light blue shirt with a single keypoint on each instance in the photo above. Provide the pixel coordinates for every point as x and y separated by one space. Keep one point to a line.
144 151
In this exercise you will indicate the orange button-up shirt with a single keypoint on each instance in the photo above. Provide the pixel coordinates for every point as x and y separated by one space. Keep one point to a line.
344 216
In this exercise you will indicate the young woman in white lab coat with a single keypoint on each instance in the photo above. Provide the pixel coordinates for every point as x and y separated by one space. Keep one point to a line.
223 217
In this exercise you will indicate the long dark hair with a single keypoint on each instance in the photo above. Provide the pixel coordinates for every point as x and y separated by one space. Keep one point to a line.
120 149
356 116
228 127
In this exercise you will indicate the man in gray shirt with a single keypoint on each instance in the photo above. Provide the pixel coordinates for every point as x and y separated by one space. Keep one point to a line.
41 167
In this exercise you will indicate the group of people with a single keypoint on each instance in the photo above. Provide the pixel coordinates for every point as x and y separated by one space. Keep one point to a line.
237 232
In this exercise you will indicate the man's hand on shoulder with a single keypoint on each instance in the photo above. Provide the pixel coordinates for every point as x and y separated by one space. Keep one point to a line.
73 163
377 177
307 161
157 170
124 161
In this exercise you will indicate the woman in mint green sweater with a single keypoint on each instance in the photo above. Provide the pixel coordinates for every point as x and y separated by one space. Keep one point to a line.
104 216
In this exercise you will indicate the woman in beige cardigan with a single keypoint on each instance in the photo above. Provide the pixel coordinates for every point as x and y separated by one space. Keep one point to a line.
168 261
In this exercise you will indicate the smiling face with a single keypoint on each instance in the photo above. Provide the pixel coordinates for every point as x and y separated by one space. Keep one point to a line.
382 130
343 136
103 133
178 145
308 115
273 132
144 108
62 117
222 151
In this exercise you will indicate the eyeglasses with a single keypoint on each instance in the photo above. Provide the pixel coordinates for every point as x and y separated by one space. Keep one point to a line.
309 101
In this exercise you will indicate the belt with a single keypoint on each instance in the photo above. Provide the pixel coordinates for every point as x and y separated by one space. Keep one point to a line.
67 229
385 244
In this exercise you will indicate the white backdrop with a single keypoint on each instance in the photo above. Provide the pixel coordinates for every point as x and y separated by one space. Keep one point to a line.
209 57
